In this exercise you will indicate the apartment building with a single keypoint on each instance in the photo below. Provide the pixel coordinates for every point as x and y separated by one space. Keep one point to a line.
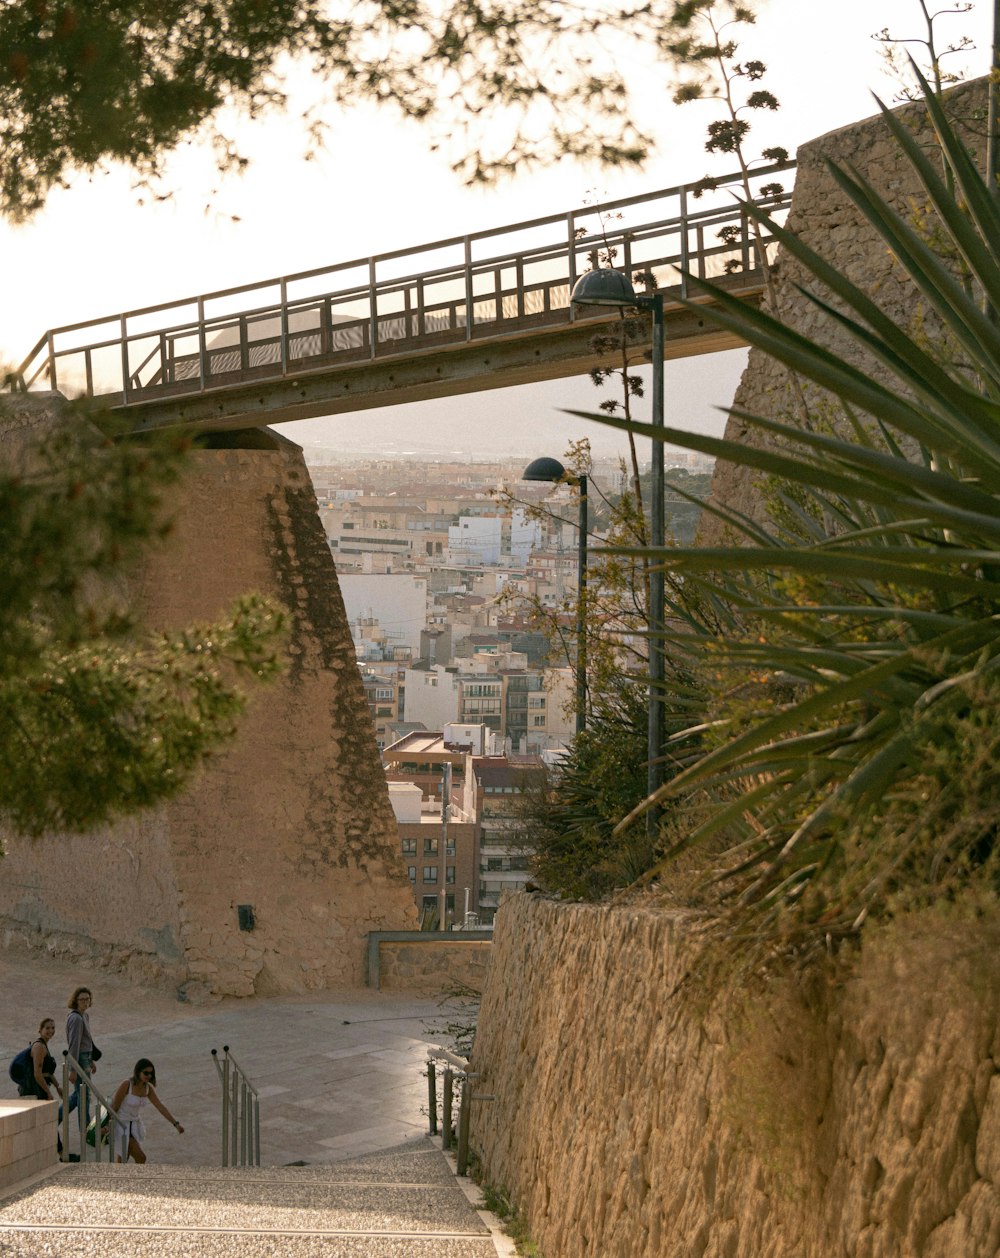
421 756
494 791
440 855
431 695
476 540
384 694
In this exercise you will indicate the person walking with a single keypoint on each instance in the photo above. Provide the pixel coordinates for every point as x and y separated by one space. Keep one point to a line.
42 1078
81 1045
130 1102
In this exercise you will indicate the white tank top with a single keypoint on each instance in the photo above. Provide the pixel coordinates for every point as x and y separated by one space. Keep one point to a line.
131 1108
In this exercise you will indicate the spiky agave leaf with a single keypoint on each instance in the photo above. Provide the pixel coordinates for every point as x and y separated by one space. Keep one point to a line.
878 596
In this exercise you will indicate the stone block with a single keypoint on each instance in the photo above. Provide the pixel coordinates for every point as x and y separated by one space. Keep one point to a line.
27 1140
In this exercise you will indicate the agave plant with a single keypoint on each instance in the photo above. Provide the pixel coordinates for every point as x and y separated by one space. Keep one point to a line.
853 764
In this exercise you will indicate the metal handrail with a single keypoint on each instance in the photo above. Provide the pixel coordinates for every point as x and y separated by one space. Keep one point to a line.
87 1089
471 309
240 1112
454 1066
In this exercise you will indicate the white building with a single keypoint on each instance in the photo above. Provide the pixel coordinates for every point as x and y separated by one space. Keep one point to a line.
431 696
476 540
396 600
525 534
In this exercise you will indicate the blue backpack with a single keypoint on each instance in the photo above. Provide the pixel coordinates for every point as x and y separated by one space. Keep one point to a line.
22 1067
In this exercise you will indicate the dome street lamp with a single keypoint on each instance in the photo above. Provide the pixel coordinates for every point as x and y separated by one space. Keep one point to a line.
552 470
606 287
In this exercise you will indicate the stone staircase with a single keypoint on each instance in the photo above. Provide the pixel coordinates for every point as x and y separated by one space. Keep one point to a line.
404 1203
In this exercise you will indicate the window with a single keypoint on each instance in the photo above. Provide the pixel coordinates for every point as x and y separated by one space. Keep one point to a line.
430 847
430 873
409 847
449 847
449 875
411 873
430 903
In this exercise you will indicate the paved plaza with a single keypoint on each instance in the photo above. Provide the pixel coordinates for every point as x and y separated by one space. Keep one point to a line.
342 1091
339 1074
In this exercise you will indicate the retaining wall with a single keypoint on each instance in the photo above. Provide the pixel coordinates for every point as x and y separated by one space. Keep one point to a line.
430 962
27 1140
641 1112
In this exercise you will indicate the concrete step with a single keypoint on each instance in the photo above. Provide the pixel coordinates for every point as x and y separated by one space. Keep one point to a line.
391 1205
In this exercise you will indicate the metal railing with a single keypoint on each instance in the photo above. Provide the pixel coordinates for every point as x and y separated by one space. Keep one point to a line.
455 1067
392 305
93 1108
240 1112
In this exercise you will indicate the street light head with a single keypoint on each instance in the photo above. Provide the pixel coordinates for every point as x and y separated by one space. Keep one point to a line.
544 469
604 287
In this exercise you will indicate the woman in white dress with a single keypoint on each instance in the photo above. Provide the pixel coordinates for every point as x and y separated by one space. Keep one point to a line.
130 1102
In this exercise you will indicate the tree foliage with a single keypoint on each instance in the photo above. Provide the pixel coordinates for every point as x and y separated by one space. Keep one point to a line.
99 717
502 83
571 822
83 83
701 40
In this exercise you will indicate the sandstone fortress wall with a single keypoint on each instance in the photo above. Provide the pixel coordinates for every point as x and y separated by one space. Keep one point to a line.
640 1112
293 818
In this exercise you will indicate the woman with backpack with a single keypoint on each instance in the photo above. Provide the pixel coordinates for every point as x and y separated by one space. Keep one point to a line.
41 1078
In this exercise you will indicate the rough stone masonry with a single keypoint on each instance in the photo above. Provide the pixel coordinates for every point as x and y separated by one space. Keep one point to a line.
293 818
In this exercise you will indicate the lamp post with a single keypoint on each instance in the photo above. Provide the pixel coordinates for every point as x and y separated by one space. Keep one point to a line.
607 287
552 470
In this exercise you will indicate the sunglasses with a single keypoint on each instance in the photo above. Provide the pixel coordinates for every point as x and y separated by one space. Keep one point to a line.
145 1074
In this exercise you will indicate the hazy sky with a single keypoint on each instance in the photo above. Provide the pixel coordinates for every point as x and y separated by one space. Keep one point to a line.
377 187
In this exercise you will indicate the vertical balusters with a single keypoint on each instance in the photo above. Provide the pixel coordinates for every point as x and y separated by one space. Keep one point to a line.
469 295
372 310
432 1097
203 363
449 1079
123 332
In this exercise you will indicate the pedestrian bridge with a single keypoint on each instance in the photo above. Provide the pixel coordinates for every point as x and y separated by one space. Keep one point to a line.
475 312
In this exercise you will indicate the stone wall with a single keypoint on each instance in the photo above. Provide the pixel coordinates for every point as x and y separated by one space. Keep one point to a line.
642 1111
433 963
824 218
27 1141
293 818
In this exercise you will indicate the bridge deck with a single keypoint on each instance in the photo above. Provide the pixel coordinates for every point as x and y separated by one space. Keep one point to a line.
469 313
